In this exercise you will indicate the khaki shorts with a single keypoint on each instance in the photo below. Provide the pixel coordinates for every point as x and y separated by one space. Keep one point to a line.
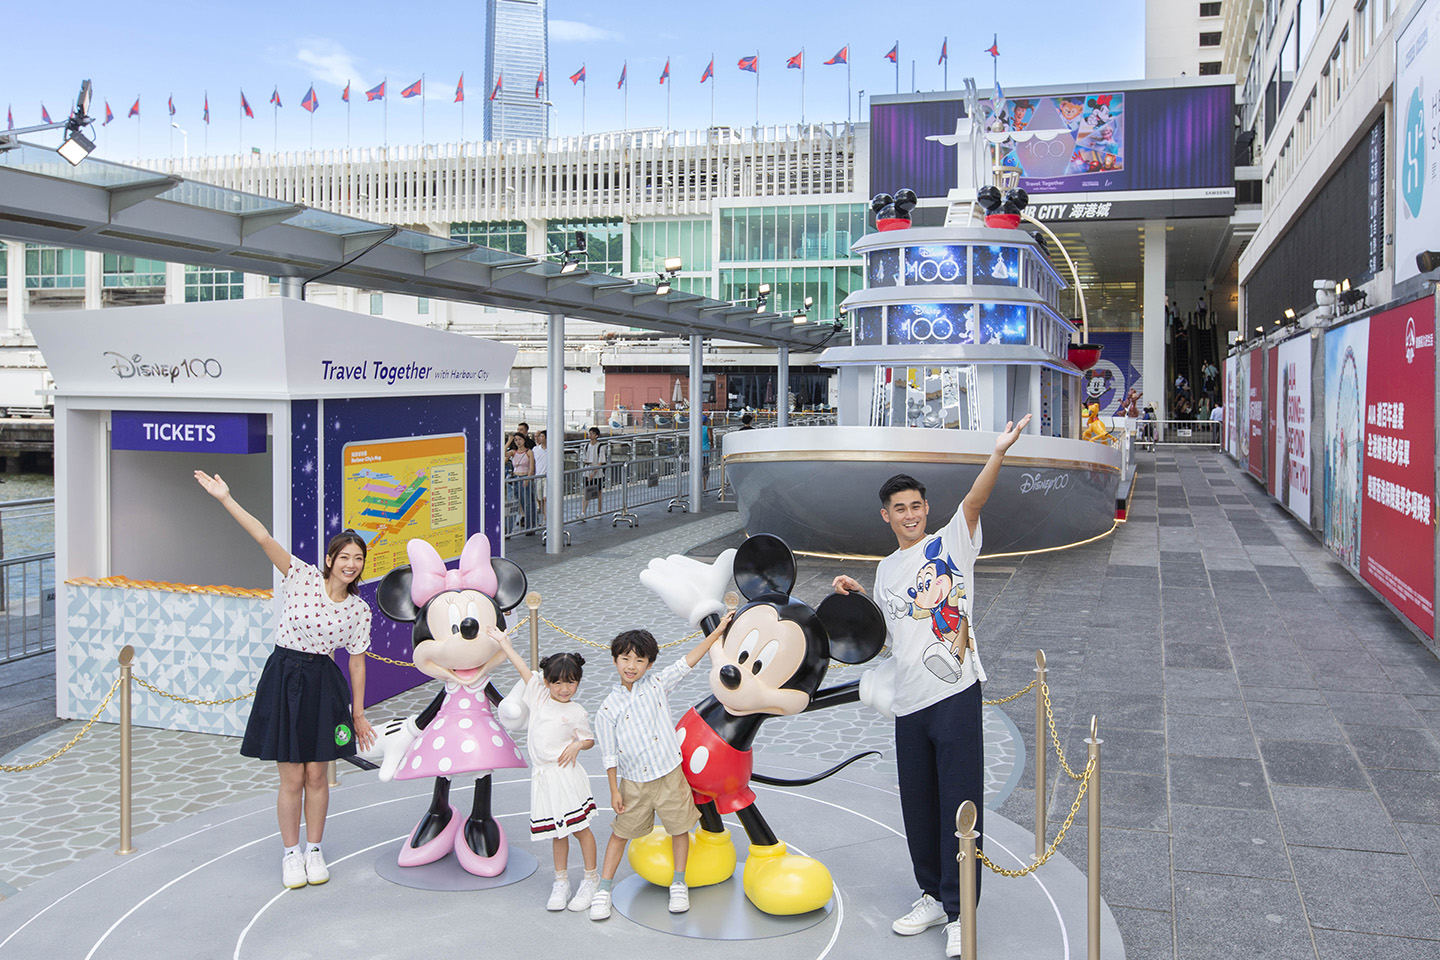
669 796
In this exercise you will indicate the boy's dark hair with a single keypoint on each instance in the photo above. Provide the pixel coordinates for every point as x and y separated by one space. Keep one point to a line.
899 484
638 642
746 418
562 668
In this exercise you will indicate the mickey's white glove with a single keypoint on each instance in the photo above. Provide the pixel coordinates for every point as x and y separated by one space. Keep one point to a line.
393 741
898 607
877 687
691 589
513 712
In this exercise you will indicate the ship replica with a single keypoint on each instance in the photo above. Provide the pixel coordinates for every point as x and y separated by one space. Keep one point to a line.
958 330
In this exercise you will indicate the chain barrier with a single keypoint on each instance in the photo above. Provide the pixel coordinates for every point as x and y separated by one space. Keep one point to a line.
1049 851
1018 693
179 699
406 663
1055 737
605 646
21 768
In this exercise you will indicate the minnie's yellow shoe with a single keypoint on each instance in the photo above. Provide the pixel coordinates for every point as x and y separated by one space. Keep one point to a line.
784 884
712 858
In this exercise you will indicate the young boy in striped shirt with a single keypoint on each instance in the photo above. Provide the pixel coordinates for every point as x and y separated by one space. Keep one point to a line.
641 753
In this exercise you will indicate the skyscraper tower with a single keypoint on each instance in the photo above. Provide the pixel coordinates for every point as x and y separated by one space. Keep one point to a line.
517 43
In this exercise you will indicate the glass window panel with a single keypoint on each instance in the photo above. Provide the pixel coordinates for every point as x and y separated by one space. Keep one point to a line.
727 235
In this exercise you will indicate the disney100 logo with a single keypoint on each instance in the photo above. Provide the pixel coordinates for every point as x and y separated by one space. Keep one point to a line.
194 368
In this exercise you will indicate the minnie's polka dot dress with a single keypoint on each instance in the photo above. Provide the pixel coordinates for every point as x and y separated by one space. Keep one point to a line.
464 737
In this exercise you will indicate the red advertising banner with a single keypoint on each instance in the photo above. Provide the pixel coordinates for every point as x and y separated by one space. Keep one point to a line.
1397 535
1272 377
1255 416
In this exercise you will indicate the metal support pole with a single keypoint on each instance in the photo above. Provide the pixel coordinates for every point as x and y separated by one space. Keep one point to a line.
555 433
965 830
624 512
532 600
782 389
697 413
292 288
333 773
1042 784
1092 814
127 659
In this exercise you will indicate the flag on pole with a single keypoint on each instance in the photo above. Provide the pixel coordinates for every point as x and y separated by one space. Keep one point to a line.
375 93
460 90
500 84
134 108
9 119
171 104
842 57
944 51
578 76
45 115
894 55
709 71
412 91
994 48
751 64
623 71
665 74
345 96
311 101
109 115
245 106
207 110
539 82
796 62
275 98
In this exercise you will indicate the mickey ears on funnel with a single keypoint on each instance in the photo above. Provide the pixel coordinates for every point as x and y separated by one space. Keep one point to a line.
855 625
905 200
880 202
764 566
989 198
1017 199
510 583
393 596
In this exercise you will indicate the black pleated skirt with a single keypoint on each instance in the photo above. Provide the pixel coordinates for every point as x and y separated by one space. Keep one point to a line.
301 712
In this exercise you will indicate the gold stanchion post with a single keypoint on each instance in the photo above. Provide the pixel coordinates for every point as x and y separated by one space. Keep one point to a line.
532 600
965 830
1092 814
127 660
1042 785
333 774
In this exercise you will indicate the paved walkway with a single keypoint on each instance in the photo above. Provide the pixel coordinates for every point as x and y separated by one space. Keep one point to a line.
1272 775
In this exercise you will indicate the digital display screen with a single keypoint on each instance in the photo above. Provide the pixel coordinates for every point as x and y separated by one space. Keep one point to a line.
997 265
923 323
882 267
865 321
1004 323
935 263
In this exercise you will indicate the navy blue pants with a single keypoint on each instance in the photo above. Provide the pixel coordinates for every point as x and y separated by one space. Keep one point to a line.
940 753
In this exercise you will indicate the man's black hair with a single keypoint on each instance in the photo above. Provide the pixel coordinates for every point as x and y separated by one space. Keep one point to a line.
898 484
639 642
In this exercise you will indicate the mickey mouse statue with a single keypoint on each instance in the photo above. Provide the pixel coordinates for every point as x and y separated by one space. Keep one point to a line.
770 662
893 213
452 611
1002 210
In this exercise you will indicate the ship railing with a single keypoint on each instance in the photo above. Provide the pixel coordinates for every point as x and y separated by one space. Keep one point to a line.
27 578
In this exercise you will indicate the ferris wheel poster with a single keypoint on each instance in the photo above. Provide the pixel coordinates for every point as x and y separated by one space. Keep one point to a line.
1292 431
1255 416
1345 370
1397 541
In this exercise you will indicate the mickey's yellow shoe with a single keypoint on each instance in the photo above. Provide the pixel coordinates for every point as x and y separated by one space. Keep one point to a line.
784 884
712 858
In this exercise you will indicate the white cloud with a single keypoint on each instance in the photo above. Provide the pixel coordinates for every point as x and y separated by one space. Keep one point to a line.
573 31
330 62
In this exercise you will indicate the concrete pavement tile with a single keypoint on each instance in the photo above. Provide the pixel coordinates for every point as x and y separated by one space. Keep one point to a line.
1346 819
1391 900
1310 763
1400 748
1243 843
1210 736
1221 917
1348 945
1410 795
1148 934
1218 782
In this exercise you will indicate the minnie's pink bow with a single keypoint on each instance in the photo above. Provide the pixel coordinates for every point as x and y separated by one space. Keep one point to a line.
430 578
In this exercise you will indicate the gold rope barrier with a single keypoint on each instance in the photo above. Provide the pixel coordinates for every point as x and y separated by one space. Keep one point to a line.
21 768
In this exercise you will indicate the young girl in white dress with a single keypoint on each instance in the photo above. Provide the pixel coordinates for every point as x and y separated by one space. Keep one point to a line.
561 803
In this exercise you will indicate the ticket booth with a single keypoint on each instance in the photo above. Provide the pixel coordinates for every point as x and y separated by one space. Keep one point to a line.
319 419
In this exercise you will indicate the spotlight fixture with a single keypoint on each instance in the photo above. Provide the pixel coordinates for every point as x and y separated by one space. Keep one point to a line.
672 266
580 240
1428 260
762 297
76 147
569 264
663 287
1289 314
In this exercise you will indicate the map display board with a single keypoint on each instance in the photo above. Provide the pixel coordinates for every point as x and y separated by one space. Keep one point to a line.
398 490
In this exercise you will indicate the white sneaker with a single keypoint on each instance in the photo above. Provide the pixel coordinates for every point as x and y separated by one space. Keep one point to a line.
600 905
952 939
316 872
559 895
292 871
584 895
679 897
924 914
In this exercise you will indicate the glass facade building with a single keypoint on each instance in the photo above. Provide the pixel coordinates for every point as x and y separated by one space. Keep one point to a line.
604 243
517 39
507 235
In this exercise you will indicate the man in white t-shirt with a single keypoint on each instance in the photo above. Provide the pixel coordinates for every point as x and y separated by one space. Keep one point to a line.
926 588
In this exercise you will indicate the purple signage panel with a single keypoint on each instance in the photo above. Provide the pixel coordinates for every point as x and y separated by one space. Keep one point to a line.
187 432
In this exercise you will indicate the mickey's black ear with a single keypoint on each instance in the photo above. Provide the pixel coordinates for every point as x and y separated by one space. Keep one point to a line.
510 583
764 566
393 596
855 625
880 201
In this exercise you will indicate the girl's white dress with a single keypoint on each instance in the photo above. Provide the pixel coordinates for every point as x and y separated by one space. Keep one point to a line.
560 799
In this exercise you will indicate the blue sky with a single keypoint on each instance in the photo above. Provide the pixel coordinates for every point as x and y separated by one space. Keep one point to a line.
155 49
